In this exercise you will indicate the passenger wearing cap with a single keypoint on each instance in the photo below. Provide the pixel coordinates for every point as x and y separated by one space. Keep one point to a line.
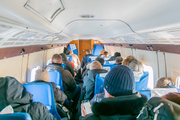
42 76
89 80
121 102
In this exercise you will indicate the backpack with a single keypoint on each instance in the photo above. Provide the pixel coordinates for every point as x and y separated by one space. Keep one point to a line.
158 108
64 112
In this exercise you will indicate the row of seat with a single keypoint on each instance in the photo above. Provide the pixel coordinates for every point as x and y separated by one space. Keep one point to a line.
43 93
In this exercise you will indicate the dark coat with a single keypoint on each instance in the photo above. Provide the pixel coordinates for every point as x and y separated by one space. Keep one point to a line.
84 60
89 82
14 93
69 67
113 58
59 96
69 84
117 108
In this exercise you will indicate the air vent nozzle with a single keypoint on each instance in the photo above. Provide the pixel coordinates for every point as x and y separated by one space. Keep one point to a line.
87 16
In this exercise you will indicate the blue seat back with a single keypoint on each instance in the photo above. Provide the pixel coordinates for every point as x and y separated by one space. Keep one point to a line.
73 47
97 49
143 82
99 88
108 67
91 58
43 92
63 65
69 57
110 63
55 76
147 93
15 116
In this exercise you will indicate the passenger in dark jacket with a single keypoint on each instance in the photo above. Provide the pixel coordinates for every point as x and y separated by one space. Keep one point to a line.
89 79
15 94
121 102
69 66
87 66
116 54
84 59
72 90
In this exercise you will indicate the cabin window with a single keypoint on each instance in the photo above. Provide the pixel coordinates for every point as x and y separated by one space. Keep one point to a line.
49 61
33 72
151 76
178 82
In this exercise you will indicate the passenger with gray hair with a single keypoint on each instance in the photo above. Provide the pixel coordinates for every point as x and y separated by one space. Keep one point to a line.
89 80
118 60
137 69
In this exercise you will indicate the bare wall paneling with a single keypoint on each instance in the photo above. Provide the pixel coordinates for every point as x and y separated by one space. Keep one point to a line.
149 58
11 67
173 66
35 60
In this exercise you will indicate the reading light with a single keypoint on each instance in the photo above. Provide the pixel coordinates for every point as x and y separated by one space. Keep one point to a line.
131 45
23 50
151 47
148 47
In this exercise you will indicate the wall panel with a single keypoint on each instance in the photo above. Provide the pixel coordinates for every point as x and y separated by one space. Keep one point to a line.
149 58
126 52
161 62
11 67
24 68
35 59
173 66
49 54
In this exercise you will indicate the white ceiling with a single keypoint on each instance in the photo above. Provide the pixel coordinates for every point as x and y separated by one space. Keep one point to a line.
115 21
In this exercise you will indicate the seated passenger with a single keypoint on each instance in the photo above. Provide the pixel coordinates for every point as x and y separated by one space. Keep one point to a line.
101 53
116 54
87 66
69 66
137 69
164 83
89 80
66 51
84 59
75 60
128 60
118 60
13 93
69 85
42 76
121 98
105 54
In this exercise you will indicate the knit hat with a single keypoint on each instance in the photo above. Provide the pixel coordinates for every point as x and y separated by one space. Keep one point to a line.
120 81
100 59
42 74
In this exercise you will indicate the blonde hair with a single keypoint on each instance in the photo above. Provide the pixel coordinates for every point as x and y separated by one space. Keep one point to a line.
102 51
95 65
42 74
